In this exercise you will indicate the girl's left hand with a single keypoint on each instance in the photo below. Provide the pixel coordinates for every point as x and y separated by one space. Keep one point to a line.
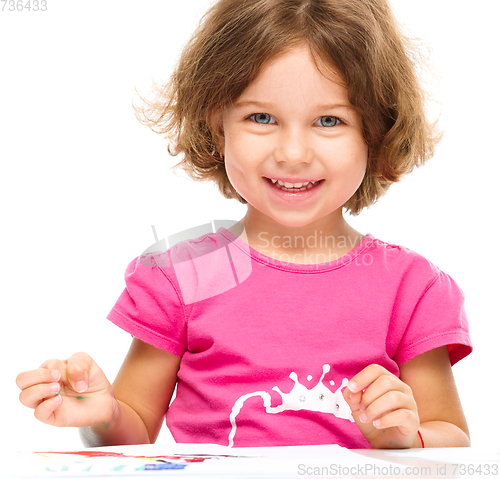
384 408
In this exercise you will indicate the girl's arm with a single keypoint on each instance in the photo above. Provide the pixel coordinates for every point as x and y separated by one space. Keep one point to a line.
389 410
442 420
143 389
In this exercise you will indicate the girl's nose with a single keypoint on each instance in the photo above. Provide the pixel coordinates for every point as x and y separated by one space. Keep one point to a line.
293 147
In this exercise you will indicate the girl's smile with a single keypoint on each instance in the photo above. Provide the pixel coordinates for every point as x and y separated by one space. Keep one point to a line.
294 147
289 192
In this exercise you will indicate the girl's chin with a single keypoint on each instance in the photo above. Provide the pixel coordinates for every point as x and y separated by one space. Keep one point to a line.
290 220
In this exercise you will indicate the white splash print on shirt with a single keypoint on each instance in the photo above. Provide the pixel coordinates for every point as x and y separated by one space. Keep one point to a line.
318 399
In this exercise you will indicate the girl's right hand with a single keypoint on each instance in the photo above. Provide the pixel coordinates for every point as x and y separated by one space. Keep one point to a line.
73 393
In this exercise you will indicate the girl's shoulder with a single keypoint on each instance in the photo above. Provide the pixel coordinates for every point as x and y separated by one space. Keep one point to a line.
408 262
179 250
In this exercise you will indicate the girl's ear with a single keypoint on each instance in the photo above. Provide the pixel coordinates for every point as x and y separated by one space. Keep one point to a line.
214 120
216 126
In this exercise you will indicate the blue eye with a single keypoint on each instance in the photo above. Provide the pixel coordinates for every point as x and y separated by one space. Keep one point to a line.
329 121
262 118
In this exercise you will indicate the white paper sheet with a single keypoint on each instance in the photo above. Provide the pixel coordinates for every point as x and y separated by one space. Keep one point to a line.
187 461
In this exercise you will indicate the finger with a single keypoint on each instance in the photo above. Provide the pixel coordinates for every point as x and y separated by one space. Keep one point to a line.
77 371
33 396
366 377
29 379
382 386
44 412
352 399
391 401
404 419
54 364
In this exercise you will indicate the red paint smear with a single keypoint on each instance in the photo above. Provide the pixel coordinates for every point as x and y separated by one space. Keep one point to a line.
90 454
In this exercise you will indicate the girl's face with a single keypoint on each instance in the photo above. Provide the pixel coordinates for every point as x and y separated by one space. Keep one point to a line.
294 125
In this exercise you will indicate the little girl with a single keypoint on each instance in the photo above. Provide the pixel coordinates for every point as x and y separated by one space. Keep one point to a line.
289 327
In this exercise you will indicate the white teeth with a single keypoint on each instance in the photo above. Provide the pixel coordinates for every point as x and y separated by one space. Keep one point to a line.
291 185
294 186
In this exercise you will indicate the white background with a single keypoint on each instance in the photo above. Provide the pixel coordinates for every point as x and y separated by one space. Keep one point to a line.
82 182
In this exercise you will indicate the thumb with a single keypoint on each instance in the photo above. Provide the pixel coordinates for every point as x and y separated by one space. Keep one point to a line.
354 401
77 371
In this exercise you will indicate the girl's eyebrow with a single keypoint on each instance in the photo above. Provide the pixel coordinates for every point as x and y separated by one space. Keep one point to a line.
252 103
267 106
334 106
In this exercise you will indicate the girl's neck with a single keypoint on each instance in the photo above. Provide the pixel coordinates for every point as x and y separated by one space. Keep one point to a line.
319 242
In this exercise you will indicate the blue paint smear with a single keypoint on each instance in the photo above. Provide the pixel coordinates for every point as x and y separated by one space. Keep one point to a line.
161 467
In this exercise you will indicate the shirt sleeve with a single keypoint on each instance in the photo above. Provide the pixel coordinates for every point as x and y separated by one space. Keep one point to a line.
438 319
150 307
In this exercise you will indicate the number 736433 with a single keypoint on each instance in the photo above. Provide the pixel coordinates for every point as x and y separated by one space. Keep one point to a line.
24 5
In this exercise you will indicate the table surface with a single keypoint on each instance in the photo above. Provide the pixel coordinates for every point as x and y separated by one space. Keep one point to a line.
206 460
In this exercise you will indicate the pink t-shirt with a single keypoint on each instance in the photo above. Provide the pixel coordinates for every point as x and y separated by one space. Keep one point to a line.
268 346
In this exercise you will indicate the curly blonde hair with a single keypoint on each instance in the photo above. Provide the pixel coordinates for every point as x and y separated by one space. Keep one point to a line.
358 39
